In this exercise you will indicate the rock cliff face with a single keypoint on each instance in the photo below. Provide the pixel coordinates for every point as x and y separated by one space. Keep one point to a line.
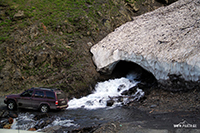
165 42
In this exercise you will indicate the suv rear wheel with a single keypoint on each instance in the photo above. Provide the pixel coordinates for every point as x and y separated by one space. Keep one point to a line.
44 108
11 105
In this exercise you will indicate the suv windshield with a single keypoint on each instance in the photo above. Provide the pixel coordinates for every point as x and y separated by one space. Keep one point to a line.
60 95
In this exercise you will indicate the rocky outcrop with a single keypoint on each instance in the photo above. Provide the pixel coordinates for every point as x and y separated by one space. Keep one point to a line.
165 42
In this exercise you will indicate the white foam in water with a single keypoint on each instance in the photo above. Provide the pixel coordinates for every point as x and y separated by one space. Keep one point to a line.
138 94
24 121
64 123
104 90
59 122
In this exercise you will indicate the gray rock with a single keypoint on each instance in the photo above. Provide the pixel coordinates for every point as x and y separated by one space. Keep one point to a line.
153 106
34 31
31 64
110 102
4 114
41 57
164 42
17 74
8 66
53 78
121 87
19 15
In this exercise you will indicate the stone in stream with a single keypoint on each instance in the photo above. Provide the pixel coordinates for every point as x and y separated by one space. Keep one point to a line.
121 87
130 91
32 129
40 116
7 114
7 126
110 102
10 120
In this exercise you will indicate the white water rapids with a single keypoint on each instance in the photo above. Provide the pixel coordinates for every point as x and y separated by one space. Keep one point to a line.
103 92
26 121
106 90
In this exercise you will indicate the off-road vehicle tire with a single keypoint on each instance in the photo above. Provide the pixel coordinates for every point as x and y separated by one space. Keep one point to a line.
11 105
44 108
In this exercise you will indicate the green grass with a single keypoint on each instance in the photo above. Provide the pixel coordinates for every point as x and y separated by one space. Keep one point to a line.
49 12
81 15
76 19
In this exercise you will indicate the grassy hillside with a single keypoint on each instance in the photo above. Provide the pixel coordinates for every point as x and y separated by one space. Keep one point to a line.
73 17
47 42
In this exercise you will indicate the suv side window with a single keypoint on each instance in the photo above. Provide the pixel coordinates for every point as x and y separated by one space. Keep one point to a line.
27 93
39 94
60 95
50 95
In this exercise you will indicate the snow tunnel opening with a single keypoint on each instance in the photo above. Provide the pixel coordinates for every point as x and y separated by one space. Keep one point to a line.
135 71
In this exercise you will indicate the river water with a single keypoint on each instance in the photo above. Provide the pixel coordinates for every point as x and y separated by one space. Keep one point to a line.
87 111
92 110
76 118
105 91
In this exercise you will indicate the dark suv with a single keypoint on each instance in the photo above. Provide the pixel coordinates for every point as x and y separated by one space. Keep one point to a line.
43 99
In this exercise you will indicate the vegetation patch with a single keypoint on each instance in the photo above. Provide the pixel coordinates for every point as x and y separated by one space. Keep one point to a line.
47 42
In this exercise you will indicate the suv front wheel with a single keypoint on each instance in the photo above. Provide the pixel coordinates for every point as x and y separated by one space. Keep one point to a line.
44 108
11 105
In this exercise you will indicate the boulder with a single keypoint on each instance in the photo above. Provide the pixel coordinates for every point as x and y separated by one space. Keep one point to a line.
34 31
32 129
122 86
19 15
4 113
10 120
130 91
41 57
17 75
40 116
13 114
164 42
7 126
110 102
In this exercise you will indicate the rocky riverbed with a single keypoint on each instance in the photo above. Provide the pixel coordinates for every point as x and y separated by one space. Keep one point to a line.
159 101
157 112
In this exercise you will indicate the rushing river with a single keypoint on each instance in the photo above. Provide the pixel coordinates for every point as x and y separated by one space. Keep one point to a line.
86 111
92 110
106 90
76 118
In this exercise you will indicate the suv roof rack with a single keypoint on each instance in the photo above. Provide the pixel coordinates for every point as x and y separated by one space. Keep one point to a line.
42 88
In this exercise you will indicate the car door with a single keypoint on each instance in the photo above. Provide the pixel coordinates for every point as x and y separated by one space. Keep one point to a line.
25 99
38 97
